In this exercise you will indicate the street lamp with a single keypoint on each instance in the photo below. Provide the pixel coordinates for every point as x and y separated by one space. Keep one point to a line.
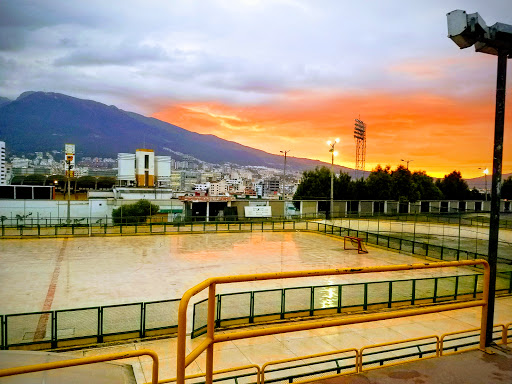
333 153
406 161
485 171
465 30
284 176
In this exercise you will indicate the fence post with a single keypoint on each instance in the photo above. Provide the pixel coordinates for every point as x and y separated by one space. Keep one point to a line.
251 309
312 302
54 329
456 286
365 302
100 324
339 298
143 318
413 293
435 290
390 294
282 303
510 283
476 286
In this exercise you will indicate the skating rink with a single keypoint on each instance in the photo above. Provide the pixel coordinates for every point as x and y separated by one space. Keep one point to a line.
65 273
49 274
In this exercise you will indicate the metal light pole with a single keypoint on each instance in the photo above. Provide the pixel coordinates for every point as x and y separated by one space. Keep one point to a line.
68 173
485 172
284 177
465 30
333 153
407 161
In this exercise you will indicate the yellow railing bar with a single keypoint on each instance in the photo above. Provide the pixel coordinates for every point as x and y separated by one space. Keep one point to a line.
84 361
310 357
443 336
505 333
360 363
226 370
182 361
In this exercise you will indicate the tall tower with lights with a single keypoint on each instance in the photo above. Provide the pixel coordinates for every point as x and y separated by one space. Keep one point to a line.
360 137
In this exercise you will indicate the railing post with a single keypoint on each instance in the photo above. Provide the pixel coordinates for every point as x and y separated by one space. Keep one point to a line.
365 302
210 333
390 293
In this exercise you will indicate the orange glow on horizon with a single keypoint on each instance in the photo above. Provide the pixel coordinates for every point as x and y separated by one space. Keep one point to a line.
440 134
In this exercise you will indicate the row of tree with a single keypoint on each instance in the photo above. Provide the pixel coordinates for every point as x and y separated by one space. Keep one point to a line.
387 184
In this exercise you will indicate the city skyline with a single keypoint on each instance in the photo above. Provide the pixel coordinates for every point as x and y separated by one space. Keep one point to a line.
274 75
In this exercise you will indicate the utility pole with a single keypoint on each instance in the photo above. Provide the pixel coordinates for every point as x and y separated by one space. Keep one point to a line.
284 178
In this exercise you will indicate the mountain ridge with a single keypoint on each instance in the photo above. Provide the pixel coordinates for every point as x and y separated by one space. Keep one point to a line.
45 121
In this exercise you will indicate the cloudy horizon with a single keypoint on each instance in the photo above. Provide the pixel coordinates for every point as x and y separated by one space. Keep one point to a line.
273 75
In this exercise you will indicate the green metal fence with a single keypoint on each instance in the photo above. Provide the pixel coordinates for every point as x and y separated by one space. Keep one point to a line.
53 329
254 306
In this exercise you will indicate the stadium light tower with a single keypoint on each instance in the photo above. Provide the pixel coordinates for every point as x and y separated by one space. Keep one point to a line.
333 153
466 29
360 137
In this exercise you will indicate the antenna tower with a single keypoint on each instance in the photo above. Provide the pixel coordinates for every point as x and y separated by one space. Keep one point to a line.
360 137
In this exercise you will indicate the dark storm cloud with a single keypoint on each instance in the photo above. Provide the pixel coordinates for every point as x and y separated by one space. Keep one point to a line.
245 51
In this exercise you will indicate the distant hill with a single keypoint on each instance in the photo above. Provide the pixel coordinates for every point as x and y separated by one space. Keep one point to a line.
45 121
479 182
4 100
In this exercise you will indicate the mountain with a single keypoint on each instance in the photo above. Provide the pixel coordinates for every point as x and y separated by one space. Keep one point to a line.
4 100
45 121
479 182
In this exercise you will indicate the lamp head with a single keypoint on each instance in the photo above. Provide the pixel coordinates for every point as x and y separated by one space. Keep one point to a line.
335 153
486 171
337 140
329 142
465 29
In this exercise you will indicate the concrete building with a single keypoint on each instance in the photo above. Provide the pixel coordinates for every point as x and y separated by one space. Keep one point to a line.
271 187
126 169
145 167
163 171
219 189
177 182
3 167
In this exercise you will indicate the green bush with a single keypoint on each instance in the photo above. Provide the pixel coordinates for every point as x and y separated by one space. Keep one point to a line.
134 213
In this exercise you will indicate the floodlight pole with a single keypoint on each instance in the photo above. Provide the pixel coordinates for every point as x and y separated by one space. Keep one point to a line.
284 177
494 225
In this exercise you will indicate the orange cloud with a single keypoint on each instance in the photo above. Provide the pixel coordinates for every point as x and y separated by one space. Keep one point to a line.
438 133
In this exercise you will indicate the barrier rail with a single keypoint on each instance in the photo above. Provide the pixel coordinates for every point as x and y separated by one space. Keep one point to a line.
183 361
85 361
222 371
275 304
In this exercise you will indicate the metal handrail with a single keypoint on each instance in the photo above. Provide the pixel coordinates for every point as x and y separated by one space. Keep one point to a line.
227 370
360 363
443 337
84 361
183 361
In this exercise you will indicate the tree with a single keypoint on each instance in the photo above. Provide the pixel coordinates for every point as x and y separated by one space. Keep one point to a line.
506 189
402 186
106 182
314 185
134 213
34 180
453 187
379 183
88 182
425 186
343 187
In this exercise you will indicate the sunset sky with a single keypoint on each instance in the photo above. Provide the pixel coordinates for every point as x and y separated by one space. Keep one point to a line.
274 75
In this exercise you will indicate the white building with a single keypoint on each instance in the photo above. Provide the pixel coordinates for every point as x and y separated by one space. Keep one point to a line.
3 167
163 171
126 169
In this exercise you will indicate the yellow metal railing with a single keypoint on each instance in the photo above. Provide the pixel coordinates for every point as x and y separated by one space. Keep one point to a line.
84 361
444 339
219 372
362 350
302 358
183 361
